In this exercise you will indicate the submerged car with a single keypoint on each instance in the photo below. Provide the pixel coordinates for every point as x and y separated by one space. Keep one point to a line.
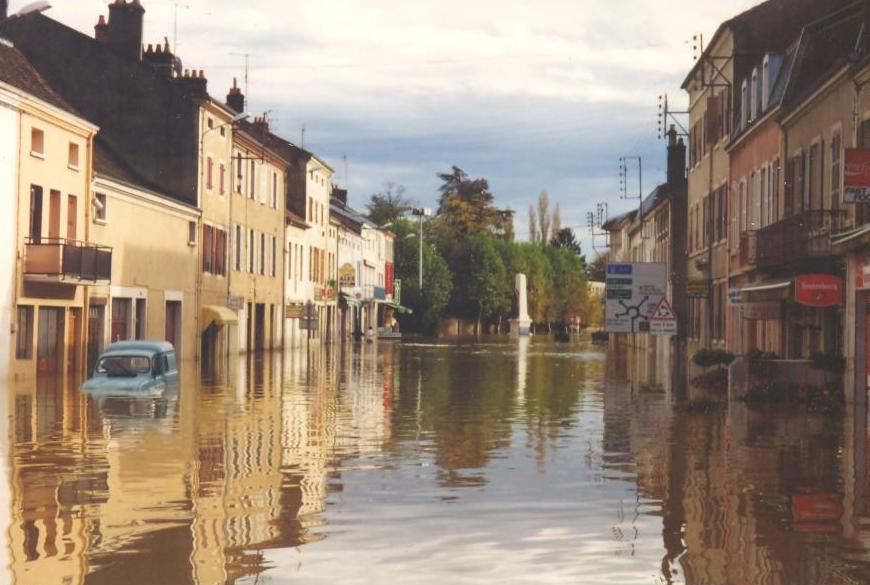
144 367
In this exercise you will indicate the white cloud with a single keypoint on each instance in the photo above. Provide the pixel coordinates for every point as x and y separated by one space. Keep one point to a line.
532 95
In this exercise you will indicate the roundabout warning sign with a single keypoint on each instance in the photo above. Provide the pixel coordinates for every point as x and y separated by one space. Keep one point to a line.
633 294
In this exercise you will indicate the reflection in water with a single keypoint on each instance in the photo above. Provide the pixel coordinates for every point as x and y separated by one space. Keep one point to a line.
503 461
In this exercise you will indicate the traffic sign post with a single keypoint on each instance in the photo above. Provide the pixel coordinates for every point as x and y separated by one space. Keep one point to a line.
663 320
633 291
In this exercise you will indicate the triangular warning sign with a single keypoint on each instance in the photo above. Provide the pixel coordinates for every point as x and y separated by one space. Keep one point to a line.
663 312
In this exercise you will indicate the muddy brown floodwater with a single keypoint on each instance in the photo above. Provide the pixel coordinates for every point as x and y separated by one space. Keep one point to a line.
443 463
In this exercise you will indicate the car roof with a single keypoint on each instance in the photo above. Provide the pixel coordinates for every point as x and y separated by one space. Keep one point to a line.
140 346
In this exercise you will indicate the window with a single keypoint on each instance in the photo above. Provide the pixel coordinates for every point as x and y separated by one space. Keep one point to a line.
222 178
239 173
191 233
836 152
253 180
36 213
214 247
24 333
100 215
810 195
37 142
73 161
274 190
251 251
210 123
223 131
310 210
262 253
274 255
238 254
208 174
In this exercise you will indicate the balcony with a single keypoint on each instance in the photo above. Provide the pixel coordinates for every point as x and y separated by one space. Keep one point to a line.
801 236
66 262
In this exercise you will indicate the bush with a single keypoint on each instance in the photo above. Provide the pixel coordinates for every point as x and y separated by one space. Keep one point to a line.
715 381
707 358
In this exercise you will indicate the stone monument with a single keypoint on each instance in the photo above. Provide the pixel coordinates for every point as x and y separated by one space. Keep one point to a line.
523 323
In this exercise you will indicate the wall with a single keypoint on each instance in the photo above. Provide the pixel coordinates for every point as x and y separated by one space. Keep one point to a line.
8 171
160 260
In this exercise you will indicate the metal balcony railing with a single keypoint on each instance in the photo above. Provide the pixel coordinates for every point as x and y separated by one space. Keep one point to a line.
68 261
805 235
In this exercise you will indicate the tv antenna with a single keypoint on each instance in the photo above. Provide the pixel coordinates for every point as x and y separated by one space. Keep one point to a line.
623 177
595 223
668 116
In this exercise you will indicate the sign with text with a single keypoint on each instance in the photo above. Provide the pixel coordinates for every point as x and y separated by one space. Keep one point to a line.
293 310
663 320
762 310
347 275
632 294
735 299
856 176
697 287
817 290
308 318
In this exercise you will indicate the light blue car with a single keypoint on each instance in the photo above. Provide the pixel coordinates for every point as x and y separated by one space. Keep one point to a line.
135 367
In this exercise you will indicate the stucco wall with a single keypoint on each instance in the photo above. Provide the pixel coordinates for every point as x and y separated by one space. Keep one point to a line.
8 163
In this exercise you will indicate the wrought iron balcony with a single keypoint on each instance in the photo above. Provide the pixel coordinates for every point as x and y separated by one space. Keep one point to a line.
801 236
66 261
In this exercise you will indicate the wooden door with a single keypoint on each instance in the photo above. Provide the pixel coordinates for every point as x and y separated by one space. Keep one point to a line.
96 317
173 322
49 347
72 218
54 215
120 319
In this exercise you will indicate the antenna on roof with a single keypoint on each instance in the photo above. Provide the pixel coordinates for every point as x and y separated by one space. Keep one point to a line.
247 57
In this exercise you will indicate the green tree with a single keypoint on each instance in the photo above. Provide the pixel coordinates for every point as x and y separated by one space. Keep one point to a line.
482 287
388 205
427 304
566 240
598 267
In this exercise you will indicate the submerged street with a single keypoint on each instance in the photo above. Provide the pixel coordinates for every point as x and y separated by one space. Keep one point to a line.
427 463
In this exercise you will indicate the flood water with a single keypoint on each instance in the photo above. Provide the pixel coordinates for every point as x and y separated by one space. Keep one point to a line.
449 463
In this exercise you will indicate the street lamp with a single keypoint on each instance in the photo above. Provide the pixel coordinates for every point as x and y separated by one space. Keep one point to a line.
421 212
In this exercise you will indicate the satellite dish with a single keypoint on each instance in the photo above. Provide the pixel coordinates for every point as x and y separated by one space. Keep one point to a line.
40 6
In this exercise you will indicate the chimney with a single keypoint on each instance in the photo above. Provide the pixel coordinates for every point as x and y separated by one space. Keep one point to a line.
125 28
676 159
261 126
160 57
194 81
236 99
101 30
340 194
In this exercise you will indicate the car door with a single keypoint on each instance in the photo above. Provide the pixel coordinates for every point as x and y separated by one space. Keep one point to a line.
170 368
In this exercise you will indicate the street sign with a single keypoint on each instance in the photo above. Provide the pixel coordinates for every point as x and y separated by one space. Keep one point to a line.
856 176
663 321
735 299
632 293
697 288
308 318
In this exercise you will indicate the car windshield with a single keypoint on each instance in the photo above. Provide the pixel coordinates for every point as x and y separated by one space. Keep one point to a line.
124 365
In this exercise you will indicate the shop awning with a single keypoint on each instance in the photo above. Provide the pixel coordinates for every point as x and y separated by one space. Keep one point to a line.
849 237
218 315
349 300
398 308
766 291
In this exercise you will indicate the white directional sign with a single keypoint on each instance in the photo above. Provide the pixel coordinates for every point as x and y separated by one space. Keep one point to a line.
633 292
663 320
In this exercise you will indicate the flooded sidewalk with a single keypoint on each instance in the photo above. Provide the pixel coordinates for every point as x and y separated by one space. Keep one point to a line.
425 463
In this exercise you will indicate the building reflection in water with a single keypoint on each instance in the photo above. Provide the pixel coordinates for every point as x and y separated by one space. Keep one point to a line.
200 484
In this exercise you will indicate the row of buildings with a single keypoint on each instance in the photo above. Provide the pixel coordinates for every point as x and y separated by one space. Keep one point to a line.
765 236
133 204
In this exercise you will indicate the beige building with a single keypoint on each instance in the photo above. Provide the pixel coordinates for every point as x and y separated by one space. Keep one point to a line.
55 265
153 292
257 218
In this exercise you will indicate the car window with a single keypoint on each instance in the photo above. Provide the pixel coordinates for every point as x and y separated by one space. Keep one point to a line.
170 359
124 365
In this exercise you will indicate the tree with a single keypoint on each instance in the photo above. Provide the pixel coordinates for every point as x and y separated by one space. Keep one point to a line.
533 224
428 304
388 205
482 283
598 268
566 240
544 219
466 206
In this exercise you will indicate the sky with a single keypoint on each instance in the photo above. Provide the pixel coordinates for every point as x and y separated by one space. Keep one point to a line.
543 95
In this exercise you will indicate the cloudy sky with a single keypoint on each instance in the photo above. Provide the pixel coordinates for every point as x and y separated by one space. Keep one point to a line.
531 95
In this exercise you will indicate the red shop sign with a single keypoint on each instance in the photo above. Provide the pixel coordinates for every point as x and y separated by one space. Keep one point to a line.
817 290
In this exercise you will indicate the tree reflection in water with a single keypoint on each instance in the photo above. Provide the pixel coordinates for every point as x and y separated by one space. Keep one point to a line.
482 461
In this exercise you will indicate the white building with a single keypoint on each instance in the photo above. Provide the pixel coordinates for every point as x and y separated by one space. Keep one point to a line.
9 133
